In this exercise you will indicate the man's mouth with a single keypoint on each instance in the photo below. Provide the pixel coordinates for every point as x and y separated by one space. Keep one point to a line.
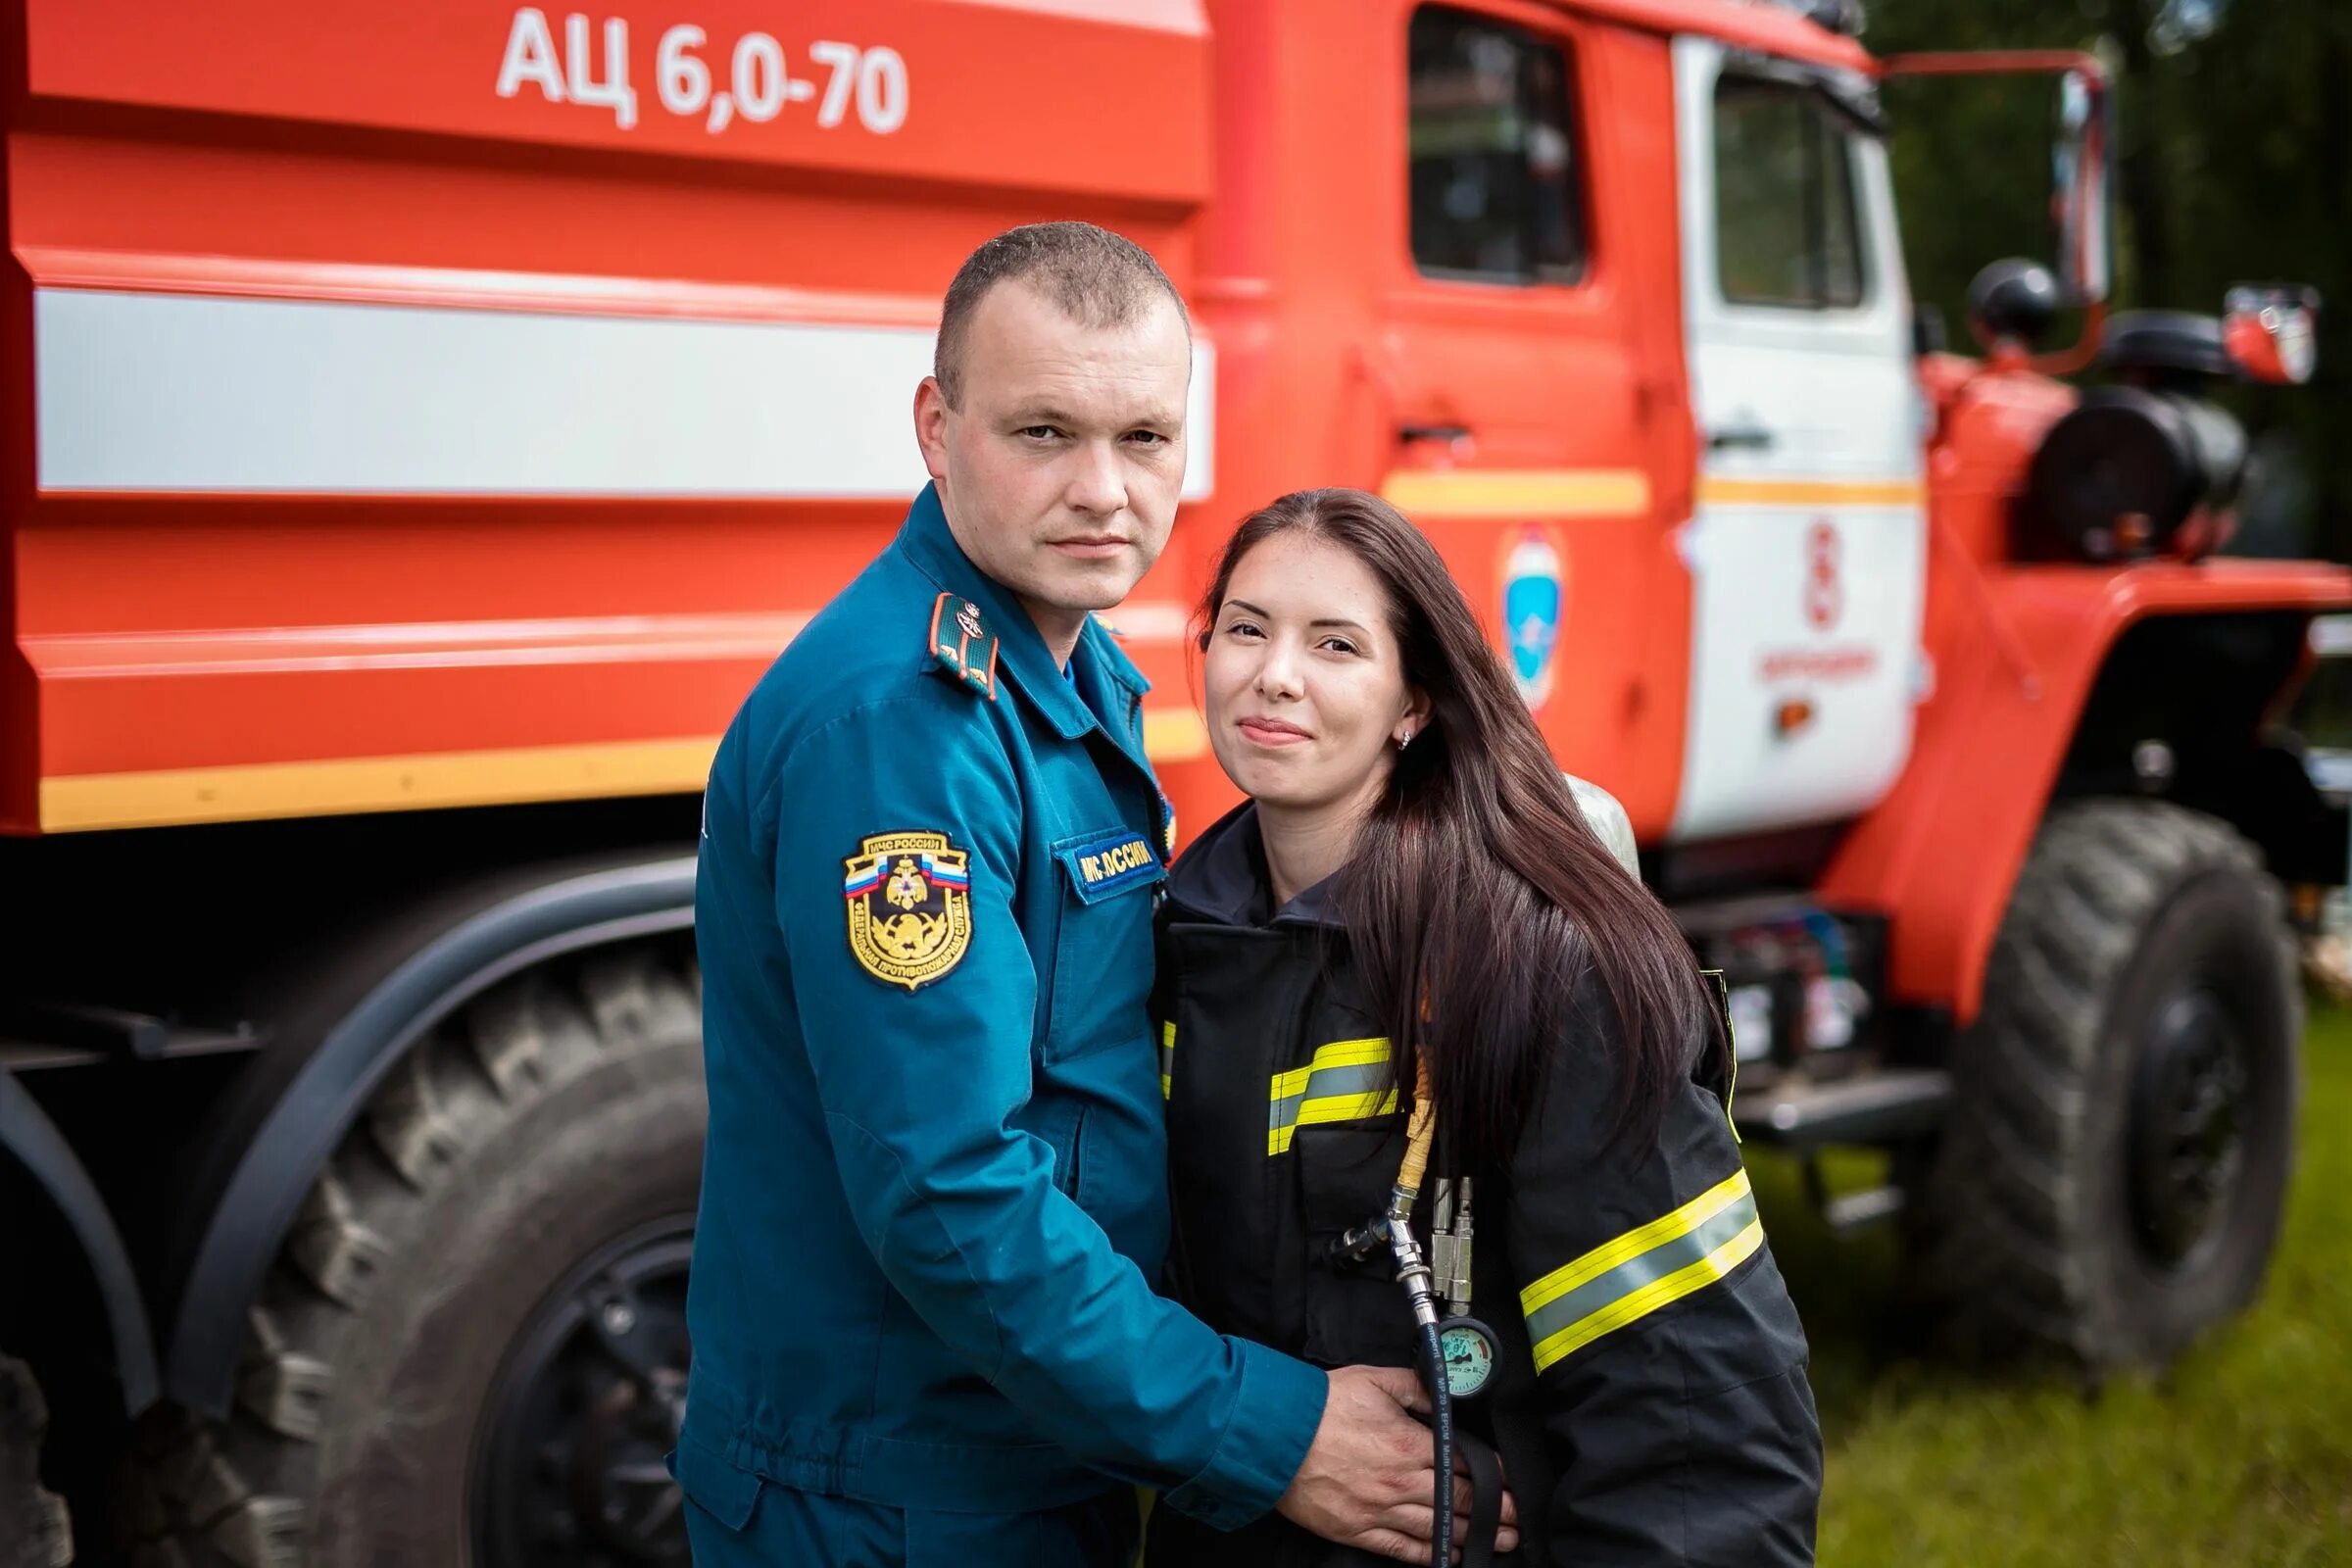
1090 546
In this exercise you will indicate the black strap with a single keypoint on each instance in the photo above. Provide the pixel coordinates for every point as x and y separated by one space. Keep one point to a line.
1485 1497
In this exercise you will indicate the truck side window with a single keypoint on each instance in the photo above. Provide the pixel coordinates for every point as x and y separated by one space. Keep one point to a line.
1786 229
1491 138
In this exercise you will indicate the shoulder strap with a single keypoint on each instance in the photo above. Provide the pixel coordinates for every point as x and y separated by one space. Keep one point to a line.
960 646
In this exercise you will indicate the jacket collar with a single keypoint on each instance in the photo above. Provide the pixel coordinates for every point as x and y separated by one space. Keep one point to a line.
926 540
1223 878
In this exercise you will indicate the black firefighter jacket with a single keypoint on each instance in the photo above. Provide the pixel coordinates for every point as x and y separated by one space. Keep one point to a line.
1649 1403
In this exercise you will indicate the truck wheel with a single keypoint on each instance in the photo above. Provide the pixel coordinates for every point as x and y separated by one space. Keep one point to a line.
2111 1181
33 1529
472 1347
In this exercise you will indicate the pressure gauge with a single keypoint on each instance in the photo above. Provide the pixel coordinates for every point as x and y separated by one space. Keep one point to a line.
1467 1346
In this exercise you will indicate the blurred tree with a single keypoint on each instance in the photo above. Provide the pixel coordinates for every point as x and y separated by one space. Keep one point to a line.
2234 163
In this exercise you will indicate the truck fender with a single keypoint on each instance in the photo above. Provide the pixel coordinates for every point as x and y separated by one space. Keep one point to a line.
392 987
30 1138
2017 662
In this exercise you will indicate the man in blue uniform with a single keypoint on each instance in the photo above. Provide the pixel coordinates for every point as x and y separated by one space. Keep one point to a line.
934 1201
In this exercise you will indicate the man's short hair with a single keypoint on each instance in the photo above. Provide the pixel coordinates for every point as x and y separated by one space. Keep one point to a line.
1091 274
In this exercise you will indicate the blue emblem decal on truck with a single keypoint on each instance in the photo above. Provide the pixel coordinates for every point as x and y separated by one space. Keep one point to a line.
1531 596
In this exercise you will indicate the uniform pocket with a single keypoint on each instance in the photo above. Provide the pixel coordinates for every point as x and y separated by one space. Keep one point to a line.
718 1486
1063 1130
1102 947
1354 1313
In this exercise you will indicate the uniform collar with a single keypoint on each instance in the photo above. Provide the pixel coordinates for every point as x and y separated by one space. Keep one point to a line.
1223 876
927 542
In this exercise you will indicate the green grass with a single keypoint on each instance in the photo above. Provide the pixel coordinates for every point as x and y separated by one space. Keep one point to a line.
2243 1455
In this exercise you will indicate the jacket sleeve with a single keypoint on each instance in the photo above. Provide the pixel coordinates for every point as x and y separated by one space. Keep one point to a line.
958 1207
1670 1360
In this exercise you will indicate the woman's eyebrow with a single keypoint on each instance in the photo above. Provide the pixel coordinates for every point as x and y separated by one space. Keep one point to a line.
1322 620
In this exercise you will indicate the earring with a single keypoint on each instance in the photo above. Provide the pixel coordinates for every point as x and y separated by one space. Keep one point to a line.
1405 739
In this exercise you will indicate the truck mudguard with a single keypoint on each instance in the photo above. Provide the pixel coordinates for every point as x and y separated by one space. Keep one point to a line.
1946 845
30 1138
408 979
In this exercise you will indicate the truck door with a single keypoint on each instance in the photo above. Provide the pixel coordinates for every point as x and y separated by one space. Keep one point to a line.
1519 410
1807 543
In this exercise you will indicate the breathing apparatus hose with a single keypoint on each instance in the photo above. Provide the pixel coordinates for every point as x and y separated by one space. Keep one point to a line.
1441 1426
1412 1272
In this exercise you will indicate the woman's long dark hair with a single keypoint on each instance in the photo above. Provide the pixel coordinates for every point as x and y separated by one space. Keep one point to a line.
1476 891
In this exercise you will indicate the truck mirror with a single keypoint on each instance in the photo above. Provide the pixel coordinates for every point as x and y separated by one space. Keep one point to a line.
2270 331
2082 196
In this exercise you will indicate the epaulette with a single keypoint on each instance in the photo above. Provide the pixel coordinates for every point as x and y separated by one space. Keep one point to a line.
962 648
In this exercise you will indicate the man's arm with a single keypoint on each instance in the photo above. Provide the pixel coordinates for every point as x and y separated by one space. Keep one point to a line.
958 1208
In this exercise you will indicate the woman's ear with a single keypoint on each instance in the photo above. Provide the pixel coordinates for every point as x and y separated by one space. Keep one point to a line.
1414 719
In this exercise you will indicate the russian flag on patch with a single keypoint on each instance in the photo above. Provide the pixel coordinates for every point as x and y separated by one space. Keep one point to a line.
860 883
956 877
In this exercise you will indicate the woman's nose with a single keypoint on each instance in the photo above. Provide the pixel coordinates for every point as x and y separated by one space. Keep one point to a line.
1278 673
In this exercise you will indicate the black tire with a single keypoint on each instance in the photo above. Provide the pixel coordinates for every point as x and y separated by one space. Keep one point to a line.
2111 1181
35 1532
555 1126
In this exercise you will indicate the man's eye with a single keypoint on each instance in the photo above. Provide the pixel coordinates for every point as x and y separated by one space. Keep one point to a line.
1149 438
1038 433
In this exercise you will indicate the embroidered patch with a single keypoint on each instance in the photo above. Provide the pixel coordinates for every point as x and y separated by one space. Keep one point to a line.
962 645
909 898
1110 862
1167 826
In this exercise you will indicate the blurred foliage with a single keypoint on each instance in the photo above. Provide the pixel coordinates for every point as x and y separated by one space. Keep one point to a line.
2240 1455
2235 164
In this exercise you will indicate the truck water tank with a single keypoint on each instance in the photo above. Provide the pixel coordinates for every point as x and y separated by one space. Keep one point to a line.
2118 475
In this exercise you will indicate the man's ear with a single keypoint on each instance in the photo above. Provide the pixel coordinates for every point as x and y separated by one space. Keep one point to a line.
931 425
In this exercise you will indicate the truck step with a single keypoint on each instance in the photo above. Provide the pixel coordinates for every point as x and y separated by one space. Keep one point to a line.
1885 1106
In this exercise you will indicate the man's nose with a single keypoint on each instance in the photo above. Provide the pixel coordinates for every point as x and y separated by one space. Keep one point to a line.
1096 485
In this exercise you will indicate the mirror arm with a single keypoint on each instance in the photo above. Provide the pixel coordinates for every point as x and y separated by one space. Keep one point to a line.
2086 349
1995 63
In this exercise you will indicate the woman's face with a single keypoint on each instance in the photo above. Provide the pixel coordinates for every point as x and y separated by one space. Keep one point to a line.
1305 681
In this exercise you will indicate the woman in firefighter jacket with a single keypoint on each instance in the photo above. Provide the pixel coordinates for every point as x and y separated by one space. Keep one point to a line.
1409 907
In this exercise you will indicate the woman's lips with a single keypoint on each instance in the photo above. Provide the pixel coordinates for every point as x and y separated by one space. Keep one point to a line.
1271 732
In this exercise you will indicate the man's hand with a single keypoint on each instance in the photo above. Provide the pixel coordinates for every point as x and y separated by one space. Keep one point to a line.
1366 1481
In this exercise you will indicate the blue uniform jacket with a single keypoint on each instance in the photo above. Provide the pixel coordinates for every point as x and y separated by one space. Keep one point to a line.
935 1196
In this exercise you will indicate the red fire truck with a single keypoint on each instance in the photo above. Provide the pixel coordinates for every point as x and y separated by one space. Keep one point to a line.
425 420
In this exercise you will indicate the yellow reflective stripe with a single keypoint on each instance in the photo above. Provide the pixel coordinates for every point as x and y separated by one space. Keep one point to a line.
1346 1108
1648 1299
1786 492
1293 1102
1339 1053
1168 1055
1518 492
1632 1244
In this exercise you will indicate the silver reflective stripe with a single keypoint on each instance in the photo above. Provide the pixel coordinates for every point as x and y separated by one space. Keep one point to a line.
1624 1280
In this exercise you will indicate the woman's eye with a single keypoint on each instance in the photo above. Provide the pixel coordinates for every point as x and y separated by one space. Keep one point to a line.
1338 645
1243 629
